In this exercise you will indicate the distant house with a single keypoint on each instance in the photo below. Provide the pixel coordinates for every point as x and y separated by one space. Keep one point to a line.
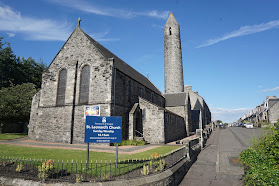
266 112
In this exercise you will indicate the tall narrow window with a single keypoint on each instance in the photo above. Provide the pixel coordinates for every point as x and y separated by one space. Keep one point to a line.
170 30
60 100
84 85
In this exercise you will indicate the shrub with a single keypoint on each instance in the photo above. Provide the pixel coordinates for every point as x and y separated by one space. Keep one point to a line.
131 142
261 161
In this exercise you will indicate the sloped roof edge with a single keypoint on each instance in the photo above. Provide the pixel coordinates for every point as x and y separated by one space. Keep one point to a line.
124 67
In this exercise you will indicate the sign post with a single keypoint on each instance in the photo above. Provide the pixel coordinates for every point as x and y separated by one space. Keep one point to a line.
87 162
103 129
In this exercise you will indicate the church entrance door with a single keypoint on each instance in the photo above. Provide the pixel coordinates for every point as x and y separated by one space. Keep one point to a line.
139 127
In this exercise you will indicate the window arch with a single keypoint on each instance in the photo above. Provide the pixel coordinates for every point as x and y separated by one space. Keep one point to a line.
84 85
61 89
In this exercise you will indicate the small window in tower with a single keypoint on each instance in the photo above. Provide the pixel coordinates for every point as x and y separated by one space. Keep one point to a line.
170 30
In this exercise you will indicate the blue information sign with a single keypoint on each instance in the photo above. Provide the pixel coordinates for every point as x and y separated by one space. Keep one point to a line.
101 129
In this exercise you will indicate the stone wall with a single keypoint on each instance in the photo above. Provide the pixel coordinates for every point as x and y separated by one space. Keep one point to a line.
79 121
127 94
273 113
51 124
153 122
174 125
198 103
182 112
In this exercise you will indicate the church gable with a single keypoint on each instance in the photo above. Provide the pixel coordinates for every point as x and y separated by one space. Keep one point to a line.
77 52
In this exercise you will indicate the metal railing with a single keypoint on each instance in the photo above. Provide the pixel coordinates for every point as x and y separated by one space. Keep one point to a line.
74 171
139 133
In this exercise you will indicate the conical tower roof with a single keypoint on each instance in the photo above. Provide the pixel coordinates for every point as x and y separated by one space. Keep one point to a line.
171 21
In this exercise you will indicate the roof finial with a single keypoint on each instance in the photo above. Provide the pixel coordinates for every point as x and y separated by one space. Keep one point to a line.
147 75
79 21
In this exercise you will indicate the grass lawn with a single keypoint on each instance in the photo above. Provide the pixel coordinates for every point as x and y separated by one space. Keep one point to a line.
100 169
9 136
76 155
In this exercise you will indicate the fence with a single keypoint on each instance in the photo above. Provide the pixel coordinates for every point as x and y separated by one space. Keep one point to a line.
53 171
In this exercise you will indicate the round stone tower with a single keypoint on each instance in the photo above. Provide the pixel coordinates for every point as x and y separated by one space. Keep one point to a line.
173 57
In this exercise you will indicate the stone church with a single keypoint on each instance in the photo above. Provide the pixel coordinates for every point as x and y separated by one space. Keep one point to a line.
85 73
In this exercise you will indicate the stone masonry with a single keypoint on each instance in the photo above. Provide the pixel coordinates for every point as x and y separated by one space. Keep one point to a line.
173 57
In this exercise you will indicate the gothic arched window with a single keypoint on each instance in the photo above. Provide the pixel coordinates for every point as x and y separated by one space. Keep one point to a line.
84 85
60 100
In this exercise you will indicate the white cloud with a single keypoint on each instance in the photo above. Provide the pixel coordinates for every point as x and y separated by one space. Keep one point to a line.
32 28
271 90
244 30
13 22
112 12
101 36
11 34
228 115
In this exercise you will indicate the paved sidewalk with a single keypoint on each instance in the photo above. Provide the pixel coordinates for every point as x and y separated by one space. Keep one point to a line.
98 148
206 170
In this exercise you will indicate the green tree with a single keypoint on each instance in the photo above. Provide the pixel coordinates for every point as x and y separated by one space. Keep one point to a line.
7 64
18 70
15 102
29 71
19 80
219 121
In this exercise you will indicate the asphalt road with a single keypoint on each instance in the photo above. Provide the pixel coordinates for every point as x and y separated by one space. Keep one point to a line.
217 163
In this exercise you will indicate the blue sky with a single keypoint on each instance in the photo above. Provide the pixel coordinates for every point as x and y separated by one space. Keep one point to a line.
229 48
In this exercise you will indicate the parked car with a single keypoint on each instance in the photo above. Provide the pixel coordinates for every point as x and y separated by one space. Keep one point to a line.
249 125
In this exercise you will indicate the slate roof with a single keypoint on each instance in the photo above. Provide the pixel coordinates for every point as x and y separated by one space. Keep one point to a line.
124 67
175 99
